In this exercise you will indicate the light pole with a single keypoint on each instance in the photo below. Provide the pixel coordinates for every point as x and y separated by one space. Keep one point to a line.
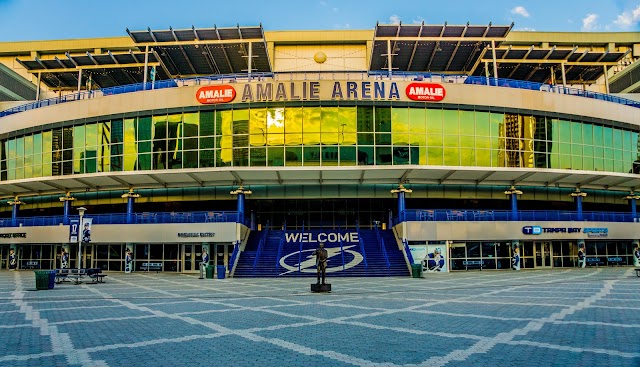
80 233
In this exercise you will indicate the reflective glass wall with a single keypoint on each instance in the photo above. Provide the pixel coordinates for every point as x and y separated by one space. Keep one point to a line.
320 136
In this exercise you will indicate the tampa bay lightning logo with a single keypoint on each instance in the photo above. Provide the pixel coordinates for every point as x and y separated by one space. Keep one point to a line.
308 263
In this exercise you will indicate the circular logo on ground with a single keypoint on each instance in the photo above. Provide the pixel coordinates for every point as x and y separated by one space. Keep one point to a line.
216 94
308 260
426 92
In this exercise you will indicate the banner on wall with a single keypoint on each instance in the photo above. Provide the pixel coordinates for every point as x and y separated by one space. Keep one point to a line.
74 228
436 261
13 257
86 230
128 258
64 257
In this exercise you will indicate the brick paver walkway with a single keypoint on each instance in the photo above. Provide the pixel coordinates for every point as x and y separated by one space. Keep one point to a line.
585 317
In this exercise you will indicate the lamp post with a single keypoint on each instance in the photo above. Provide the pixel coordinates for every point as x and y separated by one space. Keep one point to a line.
81 210
513 192
578 195
401 191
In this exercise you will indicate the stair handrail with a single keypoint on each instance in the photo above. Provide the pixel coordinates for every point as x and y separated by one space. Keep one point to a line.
384 253
407 250
260 246
234 255
300 252
364 255
280 245
342 252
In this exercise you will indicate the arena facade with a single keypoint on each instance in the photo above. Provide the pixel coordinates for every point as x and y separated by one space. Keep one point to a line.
404 143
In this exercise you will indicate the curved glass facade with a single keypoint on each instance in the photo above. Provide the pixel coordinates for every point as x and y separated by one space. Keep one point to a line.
319 136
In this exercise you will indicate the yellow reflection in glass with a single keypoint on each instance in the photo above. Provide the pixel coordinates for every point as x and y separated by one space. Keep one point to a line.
130 149
258 127
418 127
330 125
311 126
348 126
275 126
226 139
293 126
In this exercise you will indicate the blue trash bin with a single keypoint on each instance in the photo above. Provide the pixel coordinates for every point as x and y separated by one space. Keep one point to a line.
221 269
52 279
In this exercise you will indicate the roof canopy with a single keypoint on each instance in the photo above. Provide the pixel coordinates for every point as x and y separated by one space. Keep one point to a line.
176 53
433 48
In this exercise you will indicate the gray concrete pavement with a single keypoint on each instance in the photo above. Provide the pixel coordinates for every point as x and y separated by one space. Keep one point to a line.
564 317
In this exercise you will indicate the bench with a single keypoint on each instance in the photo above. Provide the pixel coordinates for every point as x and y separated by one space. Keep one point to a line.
591 261
151 266
32 265
98 277
615 261
473 264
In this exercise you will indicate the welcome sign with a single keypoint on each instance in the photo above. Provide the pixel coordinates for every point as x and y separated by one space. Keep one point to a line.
317 237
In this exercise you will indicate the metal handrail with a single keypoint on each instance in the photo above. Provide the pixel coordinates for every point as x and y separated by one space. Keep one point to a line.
342 253
280 246
475 215
236 250
260 246
357 75
407 250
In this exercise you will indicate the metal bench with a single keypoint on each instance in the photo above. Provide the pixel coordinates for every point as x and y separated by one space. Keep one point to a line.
151 266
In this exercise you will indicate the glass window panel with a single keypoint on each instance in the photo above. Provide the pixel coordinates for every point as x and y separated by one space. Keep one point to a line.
144 134
47 150
576 132
78 153
275 126
434 156
130 149
311 126
104 149
240 157
617 138
451 156
293 118
275 156
383 119
348 126
418 126
348 156
400 125
207 123
224 120
330 125
483 157
467 123
483 127
400 155
311 156
587 134
467 157
383 156
607 136
365 125
330 156
258 127
618 161
450 122
293 156
366 156
257 157
174 141
434 121
383 139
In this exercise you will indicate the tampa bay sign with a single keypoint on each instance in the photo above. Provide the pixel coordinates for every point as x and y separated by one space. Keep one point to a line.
319 90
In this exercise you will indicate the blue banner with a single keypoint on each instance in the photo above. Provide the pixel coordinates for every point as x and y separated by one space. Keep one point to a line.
74 227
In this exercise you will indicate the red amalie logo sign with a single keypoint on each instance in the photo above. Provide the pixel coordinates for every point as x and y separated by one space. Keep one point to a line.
216 94
427 92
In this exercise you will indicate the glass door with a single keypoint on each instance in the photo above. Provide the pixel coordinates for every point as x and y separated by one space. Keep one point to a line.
542 252
4 256
192 256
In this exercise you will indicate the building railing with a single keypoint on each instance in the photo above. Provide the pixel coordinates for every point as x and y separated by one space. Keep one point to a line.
329 75
444 215
121 218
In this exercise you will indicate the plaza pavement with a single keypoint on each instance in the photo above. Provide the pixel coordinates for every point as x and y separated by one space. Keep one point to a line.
562 317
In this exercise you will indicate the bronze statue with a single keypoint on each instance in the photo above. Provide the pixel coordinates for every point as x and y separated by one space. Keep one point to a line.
321 262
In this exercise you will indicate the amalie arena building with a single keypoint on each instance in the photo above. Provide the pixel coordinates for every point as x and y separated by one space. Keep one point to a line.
452 146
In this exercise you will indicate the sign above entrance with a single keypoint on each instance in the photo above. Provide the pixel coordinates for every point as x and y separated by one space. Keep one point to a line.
195 234
13 235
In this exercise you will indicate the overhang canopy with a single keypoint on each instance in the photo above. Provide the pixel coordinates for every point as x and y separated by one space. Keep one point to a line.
433 48
358 175
206 51
536 64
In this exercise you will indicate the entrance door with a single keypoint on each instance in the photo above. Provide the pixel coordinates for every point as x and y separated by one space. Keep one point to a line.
87 256
4 256
542 254
191 258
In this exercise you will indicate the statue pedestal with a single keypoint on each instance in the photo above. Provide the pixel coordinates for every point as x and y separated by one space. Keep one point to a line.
320 288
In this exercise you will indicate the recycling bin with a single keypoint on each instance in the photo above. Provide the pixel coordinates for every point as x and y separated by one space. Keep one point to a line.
221 271
42 279
416 270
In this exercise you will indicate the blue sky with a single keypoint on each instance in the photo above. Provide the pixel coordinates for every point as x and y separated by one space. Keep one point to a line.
23 20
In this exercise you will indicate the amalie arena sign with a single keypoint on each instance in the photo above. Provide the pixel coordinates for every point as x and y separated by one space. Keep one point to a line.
319 90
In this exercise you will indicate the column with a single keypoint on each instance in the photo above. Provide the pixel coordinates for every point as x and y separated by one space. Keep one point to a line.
240 193
632 198
401 191
513 192
15 203
66 200
130 196
578 195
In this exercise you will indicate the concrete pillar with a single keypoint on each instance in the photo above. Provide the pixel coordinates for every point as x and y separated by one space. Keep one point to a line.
240 193
513 192
15 206
578 195
130 196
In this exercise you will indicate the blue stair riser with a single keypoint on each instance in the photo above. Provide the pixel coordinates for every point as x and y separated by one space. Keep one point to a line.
291 255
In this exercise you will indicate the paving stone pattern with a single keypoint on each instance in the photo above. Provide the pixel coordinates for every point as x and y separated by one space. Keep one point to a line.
575 317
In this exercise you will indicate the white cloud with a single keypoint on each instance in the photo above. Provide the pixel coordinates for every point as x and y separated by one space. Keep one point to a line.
525 29
628 18
520 10
394 19
589 23
418 20
342 26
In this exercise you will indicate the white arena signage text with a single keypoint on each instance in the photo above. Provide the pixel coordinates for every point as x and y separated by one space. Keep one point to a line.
330 237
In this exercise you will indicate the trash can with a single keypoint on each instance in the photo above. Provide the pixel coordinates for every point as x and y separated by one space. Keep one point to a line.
42 279
209 269
416 270
221 271
52 279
